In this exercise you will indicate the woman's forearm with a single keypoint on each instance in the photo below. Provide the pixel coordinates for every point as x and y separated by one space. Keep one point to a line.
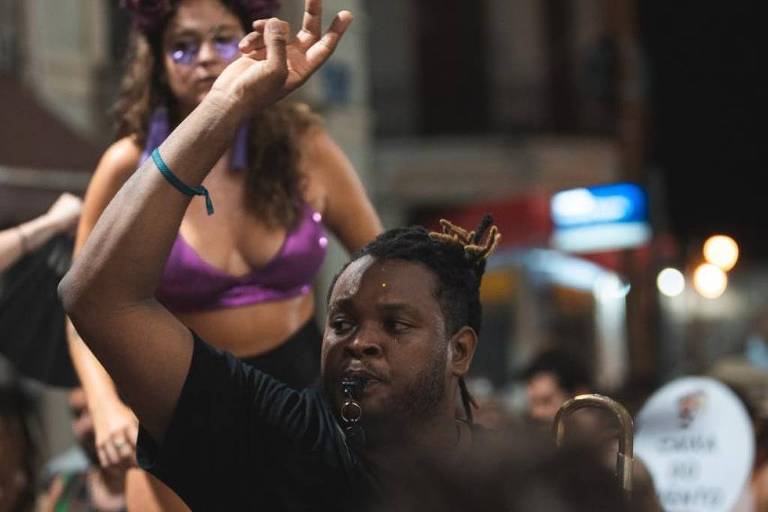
12 247
17 241
94 379
122 259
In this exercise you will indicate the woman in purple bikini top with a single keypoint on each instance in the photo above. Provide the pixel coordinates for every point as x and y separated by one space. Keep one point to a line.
281 162
189 283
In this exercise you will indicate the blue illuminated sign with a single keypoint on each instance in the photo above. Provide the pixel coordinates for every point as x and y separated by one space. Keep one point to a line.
604 204
603 217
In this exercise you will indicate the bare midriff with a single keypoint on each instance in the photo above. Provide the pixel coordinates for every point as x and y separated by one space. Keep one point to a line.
251 330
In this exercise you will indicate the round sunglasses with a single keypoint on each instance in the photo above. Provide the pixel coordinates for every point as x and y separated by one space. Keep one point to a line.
186 52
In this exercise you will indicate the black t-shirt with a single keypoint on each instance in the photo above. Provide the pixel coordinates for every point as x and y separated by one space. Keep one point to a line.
241 440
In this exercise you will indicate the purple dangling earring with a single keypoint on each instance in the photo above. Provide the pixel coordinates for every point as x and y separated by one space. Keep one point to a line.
160 127
158 130
239 159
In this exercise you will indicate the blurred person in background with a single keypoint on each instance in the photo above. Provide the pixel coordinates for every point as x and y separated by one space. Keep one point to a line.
77 482
241 278
33 257
18 449
755 495
756 343
491 411
746 374
511 470
759 481
18 241
552 378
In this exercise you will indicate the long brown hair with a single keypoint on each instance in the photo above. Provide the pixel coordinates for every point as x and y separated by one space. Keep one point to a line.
275 184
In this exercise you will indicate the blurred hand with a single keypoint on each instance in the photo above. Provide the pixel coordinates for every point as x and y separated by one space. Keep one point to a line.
65 212
274 62
116 429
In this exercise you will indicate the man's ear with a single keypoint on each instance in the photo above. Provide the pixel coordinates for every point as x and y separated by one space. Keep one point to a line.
462 350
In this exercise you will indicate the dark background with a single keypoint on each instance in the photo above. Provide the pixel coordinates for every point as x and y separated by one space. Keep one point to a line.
700 67
707 119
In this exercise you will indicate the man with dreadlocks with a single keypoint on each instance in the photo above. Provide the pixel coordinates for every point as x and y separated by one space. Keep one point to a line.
400 334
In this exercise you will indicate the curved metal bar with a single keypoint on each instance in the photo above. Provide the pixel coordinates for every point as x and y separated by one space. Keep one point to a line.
625 455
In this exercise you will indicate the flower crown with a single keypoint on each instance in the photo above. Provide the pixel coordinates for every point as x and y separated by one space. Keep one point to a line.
150 14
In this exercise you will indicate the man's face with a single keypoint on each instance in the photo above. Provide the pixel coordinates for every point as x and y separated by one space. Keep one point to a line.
545 396
386 326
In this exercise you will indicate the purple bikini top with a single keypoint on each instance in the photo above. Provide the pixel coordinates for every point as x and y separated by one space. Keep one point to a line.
189 283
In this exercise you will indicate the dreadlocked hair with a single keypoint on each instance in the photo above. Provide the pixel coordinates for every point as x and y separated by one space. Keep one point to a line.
457 258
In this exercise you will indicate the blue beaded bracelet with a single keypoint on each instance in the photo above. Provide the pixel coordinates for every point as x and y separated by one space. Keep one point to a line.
180 185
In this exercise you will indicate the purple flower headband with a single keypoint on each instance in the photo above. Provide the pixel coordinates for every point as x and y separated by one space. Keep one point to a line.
150 14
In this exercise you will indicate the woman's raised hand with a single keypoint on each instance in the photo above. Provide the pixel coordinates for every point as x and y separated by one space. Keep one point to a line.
274 62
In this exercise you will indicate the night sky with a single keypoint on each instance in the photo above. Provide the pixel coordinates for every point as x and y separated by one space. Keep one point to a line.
708 125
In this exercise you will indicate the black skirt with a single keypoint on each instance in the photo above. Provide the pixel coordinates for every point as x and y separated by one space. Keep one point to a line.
32 330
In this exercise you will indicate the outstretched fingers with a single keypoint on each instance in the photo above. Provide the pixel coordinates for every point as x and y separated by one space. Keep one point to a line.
322 49
312 25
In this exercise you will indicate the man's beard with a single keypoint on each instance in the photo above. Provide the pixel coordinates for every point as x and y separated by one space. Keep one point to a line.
416 404
423 396
419 399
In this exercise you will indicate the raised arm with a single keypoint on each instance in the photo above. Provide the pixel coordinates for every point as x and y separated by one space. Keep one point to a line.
109 292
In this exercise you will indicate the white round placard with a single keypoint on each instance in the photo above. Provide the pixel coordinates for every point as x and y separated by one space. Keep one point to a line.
696 438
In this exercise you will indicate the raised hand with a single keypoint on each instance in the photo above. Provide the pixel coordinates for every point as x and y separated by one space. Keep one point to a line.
309 49
274 63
